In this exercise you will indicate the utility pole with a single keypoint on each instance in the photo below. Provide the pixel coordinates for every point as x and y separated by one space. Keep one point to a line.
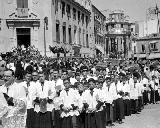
45 28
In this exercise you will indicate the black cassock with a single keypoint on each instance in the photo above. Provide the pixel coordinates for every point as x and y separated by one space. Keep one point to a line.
43 120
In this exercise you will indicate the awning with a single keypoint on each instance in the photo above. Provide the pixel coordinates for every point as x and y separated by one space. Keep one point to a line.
100 48
154 56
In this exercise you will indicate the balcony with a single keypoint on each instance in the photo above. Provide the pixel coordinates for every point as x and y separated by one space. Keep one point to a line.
22 12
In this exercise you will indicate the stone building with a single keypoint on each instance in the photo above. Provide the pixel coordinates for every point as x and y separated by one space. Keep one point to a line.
148 47
118 27
42 23
98 28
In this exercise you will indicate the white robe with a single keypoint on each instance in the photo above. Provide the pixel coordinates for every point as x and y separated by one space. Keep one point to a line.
48 91
16 116
67 99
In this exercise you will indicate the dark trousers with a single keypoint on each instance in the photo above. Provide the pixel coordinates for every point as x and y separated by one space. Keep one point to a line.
156 96
81 119
66 122
57 119
90 120
127 107
114 110
100 119
152 97
108 113
43 120
119 109
30 118
134 104
145 97
140 103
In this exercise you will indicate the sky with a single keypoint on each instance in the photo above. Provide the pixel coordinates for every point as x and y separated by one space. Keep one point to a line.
135 9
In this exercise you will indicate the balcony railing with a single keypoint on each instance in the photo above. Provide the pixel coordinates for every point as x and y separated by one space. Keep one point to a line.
22 12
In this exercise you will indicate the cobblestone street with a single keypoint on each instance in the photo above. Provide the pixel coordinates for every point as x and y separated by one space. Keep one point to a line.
148 118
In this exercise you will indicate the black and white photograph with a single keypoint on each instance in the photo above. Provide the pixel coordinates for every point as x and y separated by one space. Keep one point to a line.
79 63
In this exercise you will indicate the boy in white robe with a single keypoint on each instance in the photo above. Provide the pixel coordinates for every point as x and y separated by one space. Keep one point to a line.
69 106
44 103
30 89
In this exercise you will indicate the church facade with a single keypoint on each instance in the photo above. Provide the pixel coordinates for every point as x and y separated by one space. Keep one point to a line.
44 23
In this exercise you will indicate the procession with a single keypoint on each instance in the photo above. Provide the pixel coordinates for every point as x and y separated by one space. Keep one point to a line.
79 63
73 92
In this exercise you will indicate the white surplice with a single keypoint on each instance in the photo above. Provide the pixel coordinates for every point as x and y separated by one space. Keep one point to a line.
126 89
91 100
45 91
110 93
16 116
67 99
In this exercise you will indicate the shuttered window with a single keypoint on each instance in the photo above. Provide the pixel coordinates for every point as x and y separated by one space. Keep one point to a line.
22 3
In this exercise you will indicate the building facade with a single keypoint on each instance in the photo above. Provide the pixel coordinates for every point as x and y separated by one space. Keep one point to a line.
118 44
148 47
98 28
62 23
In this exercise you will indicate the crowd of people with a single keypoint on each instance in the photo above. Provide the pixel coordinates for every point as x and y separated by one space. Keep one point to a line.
73 92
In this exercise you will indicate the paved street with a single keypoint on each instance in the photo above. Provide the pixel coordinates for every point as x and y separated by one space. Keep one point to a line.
149 118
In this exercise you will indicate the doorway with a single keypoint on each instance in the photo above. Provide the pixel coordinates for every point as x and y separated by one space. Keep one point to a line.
23 37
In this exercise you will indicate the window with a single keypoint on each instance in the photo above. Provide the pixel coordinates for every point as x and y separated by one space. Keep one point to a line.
112 25
134 49
74 13
56 6
143 48
82 18
131 29
83 38
87 41
75 34
121 25
0 24
57 33
63 9
70 35
22 3
68 10
64 34
153 46
79 14
86 21
79 36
